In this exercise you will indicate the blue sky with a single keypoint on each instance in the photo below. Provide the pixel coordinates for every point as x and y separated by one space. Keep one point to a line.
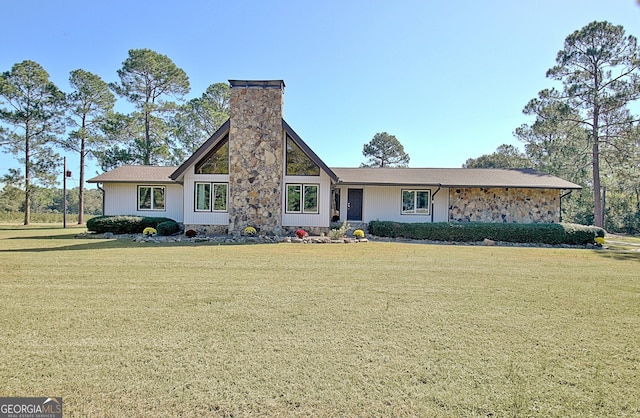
448 78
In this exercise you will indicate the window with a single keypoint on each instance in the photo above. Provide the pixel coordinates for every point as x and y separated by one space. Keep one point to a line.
220 197
302 198
211 197
310 197
150 197
217 161
203 196
415 202
299 163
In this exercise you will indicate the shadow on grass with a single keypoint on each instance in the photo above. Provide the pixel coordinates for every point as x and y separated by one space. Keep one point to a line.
95 244
620 255
38 227
45 237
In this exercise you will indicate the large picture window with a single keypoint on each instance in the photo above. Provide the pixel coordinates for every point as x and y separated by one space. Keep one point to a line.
217 161
151 198
415 202
211 197
302 198
299 163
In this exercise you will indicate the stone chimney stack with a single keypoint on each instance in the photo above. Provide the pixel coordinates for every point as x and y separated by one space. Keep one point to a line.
256 155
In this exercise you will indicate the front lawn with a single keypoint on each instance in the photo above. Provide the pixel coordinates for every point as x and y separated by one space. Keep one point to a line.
378 329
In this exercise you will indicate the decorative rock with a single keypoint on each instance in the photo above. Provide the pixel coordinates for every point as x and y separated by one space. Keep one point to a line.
504 205
488 242
256 130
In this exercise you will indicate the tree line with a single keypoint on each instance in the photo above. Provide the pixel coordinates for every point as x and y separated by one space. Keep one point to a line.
49 201
584 130
37 118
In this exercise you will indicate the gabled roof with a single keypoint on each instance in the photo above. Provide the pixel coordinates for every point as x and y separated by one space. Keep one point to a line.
442 177
452 177
142 174
296 138
204 148
224 129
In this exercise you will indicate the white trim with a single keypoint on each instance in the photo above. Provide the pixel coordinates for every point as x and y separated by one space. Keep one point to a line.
414 211
152 202
213 186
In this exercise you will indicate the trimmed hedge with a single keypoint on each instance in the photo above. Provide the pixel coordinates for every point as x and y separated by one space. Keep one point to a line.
124 224
167 228
553 234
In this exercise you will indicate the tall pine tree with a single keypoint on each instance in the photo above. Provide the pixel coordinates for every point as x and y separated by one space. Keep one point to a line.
34 118
88 107
149 80
599 69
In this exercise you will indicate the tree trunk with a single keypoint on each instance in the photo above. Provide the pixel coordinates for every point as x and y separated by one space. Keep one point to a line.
595 162
81 187
147 138
27 177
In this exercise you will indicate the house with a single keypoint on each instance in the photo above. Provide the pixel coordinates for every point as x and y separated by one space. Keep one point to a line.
256 170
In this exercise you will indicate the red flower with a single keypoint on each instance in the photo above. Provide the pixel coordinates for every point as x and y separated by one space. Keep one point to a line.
301 233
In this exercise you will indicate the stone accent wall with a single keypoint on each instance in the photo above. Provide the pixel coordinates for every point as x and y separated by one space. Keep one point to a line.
256 154
509 205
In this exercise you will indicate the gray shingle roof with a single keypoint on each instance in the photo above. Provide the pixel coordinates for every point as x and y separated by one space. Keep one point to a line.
452 177
445 177
136 174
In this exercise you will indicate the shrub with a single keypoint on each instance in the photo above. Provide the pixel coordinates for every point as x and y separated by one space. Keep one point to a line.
191 233
168 228
358 233
301 233
123 224
337 233
148 231
553 234
249 230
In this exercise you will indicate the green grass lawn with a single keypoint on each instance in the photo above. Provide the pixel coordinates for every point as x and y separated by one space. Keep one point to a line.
374 329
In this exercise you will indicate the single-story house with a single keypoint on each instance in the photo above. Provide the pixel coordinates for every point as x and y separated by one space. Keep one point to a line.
256 170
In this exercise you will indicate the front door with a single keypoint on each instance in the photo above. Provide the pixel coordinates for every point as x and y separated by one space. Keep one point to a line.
354 204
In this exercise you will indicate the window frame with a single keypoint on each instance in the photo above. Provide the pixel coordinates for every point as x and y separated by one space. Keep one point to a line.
302 192
203 161
415 200
207 201
291 148
212 189
152 203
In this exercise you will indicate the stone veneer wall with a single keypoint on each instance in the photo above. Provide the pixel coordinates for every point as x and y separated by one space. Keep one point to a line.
256 154
510 205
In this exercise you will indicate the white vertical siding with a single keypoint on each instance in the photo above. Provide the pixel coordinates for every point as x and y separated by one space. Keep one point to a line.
322 218
192 217
384 203
122 199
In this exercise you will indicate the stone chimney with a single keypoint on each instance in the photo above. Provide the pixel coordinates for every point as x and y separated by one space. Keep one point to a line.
256 155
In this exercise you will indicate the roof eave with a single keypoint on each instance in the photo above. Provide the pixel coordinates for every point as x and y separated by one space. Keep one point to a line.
212 141
453 186
289 130
135 181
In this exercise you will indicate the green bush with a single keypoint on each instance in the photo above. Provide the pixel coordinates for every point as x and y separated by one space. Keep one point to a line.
124 224
553 234
168 228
